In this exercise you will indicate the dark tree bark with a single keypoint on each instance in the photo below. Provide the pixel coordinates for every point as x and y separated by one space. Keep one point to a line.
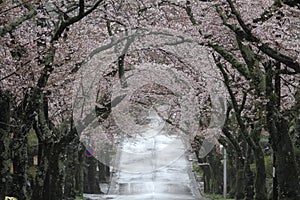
42 178
24 114
207 179
80 166
56 172
70 172
45 141
260 168
240 178
5 113
91 180
278 127
216 172
205 168
286 165
231 172
249 190
20 164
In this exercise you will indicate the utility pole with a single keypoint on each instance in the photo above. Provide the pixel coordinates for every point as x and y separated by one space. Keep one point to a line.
224 171
275 183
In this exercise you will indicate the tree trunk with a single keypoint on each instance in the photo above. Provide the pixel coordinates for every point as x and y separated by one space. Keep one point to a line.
286 166
20 161
240 178
55 171
92 177
70 172
260 174
216 172
4 142
239 160
102 172
42 178
249 192
206 174
231 174
278 127
207 178
260 188
80 170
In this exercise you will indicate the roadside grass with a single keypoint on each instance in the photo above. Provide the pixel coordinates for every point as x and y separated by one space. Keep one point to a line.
216 197
10 198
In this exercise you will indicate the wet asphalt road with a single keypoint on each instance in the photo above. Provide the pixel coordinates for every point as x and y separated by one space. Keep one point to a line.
152 166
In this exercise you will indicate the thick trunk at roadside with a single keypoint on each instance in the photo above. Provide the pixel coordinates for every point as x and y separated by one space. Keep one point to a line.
286 166
70 171
20 165
231 174
91 180
278 127
79 179
207 179
41 175
4 142
260 174
216 172
206 173
44 150
49 177
56 173
19 147
240 178
249 190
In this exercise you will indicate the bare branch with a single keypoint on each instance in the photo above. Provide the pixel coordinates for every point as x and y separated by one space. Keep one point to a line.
242 69
73 20
81 7
13 7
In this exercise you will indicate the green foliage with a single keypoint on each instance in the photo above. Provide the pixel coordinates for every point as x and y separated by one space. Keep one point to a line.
216 197
269 166
253 167
197 169
297 155
32 147
32 139
264 140
31 171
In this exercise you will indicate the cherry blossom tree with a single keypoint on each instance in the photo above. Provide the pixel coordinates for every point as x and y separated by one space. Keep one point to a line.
254 44
258 52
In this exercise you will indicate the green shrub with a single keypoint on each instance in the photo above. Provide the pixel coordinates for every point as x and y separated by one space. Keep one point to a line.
216 197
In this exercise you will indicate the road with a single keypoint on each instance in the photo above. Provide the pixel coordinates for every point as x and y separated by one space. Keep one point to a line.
153 166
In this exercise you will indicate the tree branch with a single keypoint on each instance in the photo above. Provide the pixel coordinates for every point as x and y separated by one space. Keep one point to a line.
236 107
75 19
189 12
231 59
13 25
13 7
237 14
246 33
81 7
288 61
